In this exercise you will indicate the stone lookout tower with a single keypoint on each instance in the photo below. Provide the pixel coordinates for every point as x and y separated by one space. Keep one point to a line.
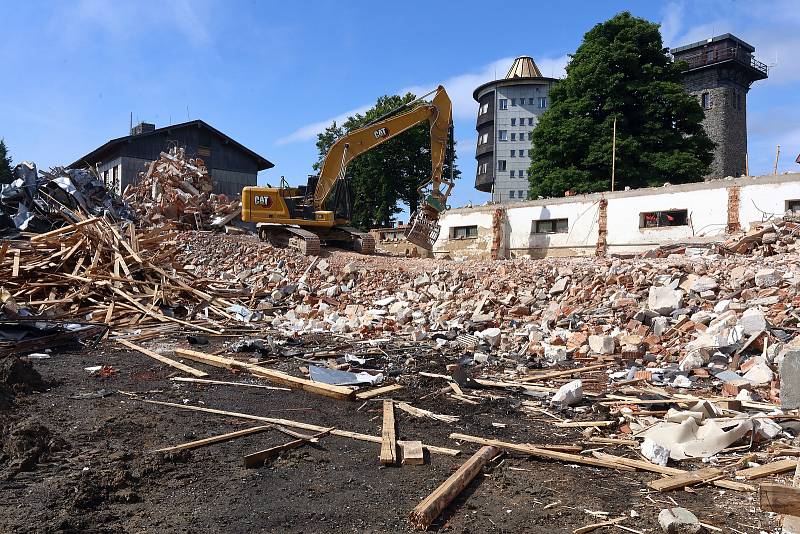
719 72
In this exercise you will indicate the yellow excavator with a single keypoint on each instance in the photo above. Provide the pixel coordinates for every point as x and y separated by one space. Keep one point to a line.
300 217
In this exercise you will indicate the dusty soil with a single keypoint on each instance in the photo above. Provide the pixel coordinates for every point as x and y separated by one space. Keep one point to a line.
77 458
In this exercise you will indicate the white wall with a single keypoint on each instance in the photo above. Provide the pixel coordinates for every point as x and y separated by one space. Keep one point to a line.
757 198
706 203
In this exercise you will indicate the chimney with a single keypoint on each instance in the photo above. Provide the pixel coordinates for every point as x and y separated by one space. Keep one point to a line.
142 127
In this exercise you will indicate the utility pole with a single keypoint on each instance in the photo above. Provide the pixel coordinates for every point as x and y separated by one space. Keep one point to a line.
747 163
614 154
777 155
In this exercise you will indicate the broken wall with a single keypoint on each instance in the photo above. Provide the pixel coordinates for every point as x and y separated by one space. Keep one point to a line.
707 206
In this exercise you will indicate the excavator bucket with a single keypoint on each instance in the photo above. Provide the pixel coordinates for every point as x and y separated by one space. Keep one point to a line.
423 230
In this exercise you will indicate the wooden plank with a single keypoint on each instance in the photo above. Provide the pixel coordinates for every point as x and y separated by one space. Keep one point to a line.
613 441
595 526
773 468
163 359
365 395
63 230
257 459
583 424
336 392
3 250
687 478
412 452
538 452
295 424
565 372
779 499
653 468
159 316
388 435
226 383
15 267
434 504
215 439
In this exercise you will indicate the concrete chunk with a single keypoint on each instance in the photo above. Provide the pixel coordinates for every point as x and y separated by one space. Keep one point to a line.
664 300
678 521
790 380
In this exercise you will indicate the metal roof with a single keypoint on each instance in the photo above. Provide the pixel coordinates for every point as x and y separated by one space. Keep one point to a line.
524 67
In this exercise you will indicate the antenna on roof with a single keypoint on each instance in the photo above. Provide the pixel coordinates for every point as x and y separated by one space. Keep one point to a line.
131 127
187 112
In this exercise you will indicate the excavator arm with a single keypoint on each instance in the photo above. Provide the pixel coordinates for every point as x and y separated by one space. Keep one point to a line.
423 228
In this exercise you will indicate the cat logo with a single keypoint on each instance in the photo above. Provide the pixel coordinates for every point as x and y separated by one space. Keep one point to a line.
263 200
380 132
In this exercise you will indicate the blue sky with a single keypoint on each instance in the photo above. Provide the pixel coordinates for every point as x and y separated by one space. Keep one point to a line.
273 74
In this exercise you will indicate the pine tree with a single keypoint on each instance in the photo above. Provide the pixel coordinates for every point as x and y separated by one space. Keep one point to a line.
6 174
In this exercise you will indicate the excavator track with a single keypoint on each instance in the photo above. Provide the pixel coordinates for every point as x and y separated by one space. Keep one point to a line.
287 236
362 242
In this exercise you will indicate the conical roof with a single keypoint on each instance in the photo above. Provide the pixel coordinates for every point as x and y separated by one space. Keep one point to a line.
524 67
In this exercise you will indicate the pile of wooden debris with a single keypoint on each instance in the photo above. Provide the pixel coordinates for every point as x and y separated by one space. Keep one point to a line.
109 273
177 188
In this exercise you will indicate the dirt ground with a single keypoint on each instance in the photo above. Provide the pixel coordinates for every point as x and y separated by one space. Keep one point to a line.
72 462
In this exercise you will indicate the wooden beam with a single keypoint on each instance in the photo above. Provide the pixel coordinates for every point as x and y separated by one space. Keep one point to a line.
539 452
257 459
434 504
654 468
779 499
163 359
412 452
63 230
687 478
295 424
215 439
565 372
388 435
365 395
772 468
336 392
595 526
583 424
226 383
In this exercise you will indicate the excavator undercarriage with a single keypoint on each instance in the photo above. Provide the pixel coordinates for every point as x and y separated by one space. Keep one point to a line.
308 242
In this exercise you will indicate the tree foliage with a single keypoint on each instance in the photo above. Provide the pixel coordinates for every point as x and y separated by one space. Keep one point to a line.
390 173
620 70
6 175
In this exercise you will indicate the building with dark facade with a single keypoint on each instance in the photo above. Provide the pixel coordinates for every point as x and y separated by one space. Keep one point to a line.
231 165
508 111
720 71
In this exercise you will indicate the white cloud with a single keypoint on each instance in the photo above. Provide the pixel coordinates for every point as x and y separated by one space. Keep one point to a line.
459 88
310 131
131 20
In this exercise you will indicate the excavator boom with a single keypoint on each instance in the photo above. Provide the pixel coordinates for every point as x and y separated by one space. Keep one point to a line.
423 228
302 216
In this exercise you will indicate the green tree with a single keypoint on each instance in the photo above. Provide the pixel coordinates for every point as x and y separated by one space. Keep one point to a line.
6 176
620 70
389 174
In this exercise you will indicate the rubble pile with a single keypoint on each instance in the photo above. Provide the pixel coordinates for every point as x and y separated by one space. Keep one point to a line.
771 237
107 273
177 188
36 202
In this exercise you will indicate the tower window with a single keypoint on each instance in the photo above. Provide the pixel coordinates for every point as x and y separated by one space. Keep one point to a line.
513 137
511 194
502 103
530 121
513 152
502 135
501 164
530 100
513 121
512 173
542 102
513 102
